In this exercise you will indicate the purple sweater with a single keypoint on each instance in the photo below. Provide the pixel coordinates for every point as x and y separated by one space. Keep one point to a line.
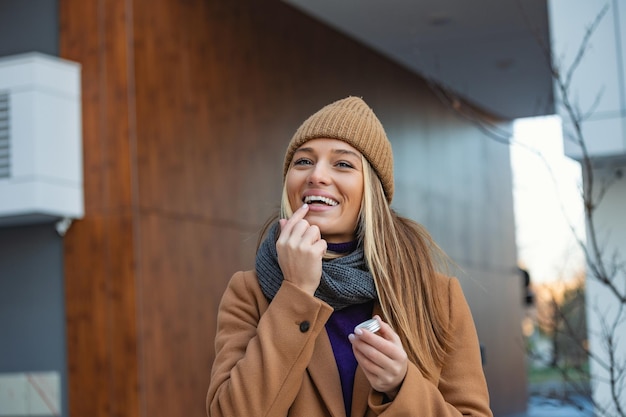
340 324
338 327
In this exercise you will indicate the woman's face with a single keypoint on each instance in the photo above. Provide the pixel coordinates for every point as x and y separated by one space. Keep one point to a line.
327 174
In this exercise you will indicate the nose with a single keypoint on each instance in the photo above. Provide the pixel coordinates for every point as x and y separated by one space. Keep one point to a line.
319 174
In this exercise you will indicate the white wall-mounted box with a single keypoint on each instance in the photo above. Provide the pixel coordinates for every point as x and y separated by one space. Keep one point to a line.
41 174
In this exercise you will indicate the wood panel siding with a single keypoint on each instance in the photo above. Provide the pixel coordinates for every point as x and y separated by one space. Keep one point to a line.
100 250
187 110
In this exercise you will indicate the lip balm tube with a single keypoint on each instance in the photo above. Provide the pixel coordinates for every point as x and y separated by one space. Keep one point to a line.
372 325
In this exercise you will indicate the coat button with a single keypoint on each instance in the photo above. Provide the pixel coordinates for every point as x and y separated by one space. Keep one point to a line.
305 326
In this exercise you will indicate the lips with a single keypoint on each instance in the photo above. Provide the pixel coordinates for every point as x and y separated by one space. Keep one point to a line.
318 199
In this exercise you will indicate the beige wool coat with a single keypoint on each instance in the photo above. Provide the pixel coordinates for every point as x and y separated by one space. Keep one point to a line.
275 359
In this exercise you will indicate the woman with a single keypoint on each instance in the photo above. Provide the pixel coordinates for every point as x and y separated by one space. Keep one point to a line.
286 342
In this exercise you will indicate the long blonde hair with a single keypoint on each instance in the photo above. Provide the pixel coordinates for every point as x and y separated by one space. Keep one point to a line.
403 260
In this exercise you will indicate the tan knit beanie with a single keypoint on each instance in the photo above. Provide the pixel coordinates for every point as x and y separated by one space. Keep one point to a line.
352 121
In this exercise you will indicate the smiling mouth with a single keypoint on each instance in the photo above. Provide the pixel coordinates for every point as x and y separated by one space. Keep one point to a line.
316 199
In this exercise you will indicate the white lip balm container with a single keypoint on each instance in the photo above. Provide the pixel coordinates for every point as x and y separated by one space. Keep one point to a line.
371 325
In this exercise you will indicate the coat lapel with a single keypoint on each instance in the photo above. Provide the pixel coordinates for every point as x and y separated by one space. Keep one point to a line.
362 386
360 393
325 376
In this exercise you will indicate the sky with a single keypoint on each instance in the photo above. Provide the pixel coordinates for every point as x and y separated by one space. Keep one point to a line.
547 201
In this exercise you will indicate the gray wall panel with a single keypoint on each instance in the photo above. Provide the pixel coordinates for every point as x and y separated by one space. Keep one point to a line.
32 303
29 26
458 183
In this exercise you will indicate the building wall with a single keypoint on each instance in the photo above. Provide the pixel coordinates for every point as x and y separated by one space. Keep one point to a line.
32 319
29 26
597 85
605 314
32 312
187 109
597 91
457 182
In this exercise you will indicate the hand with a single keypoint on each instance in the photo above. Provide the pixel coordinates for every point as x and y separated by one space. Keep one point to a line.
381 357
300 249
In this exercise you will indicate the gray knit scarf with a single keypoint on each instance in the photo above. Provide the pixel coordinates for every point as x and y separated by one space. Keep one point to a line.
345 280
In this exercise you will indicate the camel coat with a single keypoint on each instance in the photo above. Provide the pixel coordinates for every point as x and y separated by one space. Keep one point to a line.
275 359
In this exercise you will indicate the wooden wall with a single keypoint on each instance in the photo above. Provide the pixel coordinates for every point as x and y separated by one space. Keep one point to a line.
188 106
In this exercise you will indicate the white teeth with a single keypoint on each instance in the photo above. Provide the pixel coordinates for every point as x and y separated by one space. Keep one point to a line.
316 198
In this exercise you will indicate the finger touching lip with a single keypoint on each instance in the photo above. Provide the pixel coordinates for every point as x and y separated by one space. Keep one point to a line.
300 212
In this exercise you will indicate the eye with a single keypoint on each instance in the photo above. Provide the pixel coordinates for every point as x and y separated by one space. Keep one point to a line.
344 164
302 161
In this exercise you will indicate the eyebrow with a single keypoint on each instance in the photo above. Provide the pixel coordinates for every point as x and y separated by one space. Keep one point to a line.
335 151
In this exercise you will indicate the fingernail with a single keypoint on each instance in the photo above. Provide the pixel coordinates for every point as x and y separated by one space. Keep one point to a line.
351 337
305 205
358 331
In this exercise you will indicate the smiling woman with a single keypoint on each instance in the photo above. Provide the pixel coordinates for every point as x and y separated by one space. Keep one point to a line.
289 340
327 174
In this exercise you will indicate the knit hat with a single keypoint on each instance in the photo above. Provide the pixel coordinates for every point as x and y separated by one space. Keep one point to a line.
352 121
